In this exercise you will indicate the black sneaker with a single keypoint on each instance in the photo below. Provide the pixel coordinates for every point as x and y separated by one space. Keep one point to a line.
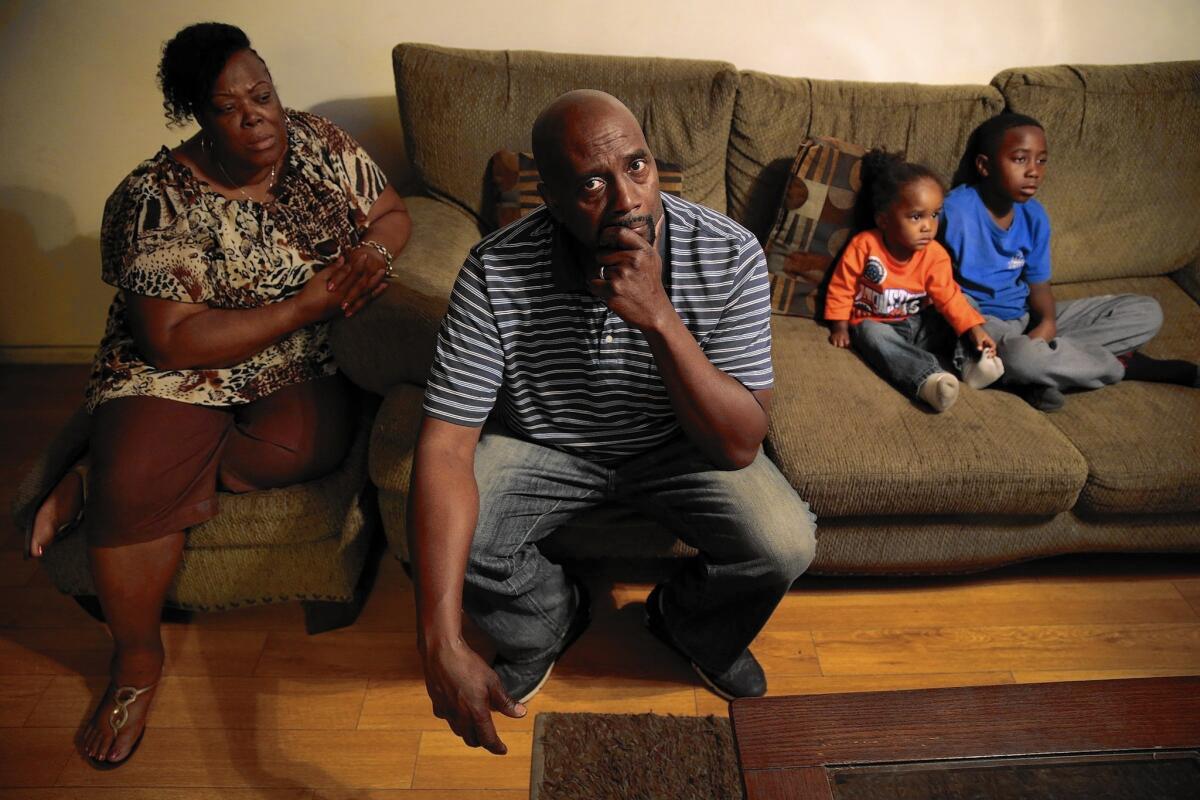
523 681
744 679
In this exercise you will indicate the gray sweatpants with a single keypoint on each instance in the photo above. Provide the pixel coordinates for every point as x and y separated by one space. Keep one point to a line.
1092 332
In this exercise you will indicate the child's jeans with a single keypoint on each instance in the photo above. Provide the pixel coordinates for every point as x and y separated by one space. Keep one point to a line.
1091 333
903 351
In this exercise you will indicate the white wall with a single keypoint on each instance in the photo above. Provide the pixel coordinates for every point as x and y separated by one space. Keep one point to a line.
80 107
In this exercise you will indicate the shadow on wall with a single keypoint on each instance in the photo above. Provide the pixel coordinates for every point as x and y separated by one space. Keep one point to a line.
53 296
375 123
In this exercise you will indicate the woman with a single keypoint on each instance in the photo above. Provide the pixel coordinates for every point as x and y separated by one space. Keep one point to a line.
230 253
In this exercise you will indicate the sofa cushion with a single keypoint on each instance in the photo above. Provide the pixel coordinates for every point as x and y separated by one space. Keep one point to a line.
852 445
1141 440
815 220
1123 184
458 106
773 115
515 178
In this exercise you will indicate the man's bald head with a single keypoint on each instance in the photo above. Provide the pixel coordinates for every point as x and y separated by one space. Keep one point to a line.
595 165
567 116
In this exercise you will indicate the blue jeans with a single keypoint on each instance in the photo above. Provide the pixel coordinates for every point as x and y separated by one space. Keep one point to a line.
903 352
754 533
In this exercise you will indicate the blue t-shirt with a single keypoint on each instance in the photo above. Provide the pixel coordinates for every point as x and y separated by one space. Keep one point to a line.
995 266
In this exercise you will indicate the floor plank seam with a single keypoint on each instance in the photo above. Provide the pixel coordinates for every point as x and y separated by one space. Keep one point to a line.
1194 604
261 654
362 703
33 709
416 760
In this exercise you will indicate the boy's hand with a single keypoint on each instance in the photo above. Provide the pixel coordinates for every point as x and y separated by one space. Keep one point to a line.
1045 330
839 334
983 343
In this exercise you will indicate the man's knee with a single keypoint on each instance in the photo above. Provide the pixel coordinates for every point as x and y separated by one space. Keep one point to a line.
496 566
784 538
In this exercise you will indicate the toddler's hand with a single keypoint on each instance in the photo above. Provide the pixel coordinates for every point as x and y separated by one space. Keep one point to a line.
983 343
839 335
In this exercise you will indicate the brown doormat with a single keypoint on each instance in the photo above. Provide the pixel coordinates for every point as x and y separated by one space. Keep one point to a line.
632 757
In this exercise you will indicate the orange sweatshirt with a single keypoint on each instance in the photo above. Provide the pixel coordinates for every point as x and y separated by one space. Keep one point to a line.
869 284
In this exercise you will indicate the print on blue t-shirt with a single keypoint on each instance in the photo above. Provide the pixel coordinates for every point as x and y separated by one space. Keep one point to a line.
995 266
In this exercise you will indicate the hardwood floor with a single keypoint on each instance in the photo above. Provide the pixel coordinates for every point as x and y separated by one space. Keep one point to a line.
253 708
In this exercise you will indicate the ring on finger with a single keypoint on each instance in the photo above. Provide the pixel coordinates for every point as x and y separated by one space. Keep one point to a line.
603 277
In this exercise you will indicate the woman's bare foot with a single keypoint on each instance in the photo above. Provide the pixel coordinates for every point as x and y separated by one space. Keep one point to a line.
96 739
60 507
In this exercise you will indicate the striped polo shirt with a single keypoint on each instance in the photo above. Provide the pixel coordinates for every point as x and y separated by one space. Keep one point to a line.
570 374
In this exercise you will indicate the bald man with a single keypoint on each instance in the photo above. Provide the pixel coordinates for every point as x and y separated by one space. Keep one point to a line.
617 344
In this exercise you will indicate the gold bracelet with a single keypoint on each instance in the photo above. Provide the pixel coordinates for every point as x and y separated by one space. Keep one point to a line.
383 251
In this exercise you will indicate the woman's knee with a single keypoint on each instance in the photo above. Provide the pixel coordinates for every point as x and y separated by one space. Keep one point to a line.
295 434
151 466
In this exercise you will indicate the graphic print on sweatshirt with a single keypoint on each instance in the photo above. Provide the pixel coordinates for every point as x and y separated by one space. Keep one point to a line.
874 299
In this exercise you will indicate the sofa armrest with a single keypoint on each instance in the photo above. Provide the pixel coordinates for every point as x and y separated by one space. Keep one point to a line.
391 340
1188 279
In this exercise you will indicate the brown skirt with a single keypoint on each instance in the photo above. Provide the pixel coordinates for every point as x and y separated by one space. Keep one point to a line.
156 464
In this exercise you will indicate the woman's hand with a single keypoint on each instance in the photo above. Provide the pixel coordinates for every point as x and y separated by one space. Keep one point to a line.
839 334
365 278
323 297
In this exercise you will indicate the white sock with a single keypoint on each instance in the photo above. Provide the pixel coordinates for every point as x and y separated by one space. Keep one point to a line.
984 372
939 390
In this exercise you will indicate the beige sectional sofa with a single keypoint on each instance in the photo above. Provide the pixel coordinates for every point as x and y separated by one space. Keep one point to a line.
896 489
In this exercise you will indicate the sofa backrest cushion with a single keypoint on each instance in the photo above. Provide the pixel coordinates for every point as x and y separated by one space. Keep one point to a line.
773 115
458 107
1123 184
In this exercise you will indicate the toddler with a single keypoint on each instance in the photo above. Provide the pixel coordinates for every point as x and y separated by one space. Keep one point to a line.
999 237
879 293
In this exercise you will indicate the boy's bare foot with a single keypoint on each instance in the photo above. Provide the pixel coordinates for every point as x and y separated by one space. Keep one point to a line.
97 740
939 390
61 507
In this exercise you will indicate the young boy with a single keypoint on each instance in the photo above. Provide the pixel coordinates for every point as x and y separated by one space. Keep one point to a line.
998 235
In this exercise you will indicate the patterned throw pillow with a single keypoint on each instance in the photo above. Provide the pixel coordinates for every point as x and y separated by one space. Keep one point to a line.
815 220
515 178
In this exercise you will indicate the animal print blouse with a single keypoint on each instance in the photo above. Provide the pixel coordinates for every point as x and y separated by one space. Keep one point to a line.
168 234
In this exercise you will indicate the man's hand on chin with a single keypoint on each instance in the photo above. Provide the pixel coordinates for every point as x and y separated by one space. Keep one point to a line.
628 277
